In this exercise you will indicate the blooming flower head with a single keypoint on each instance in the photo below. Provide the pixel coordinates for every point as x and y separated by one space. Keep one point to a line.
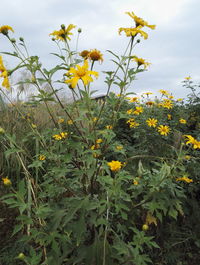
140 61
61 120
109 127
132 123
129 111
115 165
134 99
164 92
139 21
60 136
167 104
193 141
183 121
84 54
70 122
64 33
42 157
138 110
82 73
4 29
4 74
169 116
163 130
99 141
149 103
151 122
6 181
95 55
131 32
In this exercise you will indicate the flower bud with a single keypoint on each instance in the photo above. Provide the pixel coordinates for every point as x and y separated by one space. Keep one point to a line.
79 30
145 227
53 39
138 41
13 40
21 39
62 26
21 256
2 131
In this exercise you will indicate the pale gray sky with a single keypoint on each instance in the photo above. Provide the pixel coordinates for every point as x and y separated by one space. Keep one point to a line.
172 48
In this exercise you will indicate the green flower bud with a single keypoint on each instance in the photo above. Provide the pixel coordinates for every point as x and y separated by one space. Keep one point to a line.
62 26
21 39
2 131
21 256
13 40
79 30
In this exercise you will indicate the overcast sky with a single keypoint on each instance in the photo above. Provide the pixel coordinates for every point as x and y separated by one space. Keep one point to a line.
172 48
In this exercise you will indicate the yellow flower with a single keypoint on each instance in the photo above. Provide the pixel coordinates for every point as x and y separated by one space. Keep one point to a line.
4 29
95 146
179 99
109 127
151 122
135 182
57 137
141 61
139 21
164 92
84 54
60 136
131 32
115 165
4 74
99 141
192 140
129 111
119 147
132 123
95 55
42 157
146 93
134 99
149 103
94 119
188 78
183 121
64 135
6 181
169 116
167 104
63 33
82 73
69 122
185 179
138 110
187 157
61 120
163 129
